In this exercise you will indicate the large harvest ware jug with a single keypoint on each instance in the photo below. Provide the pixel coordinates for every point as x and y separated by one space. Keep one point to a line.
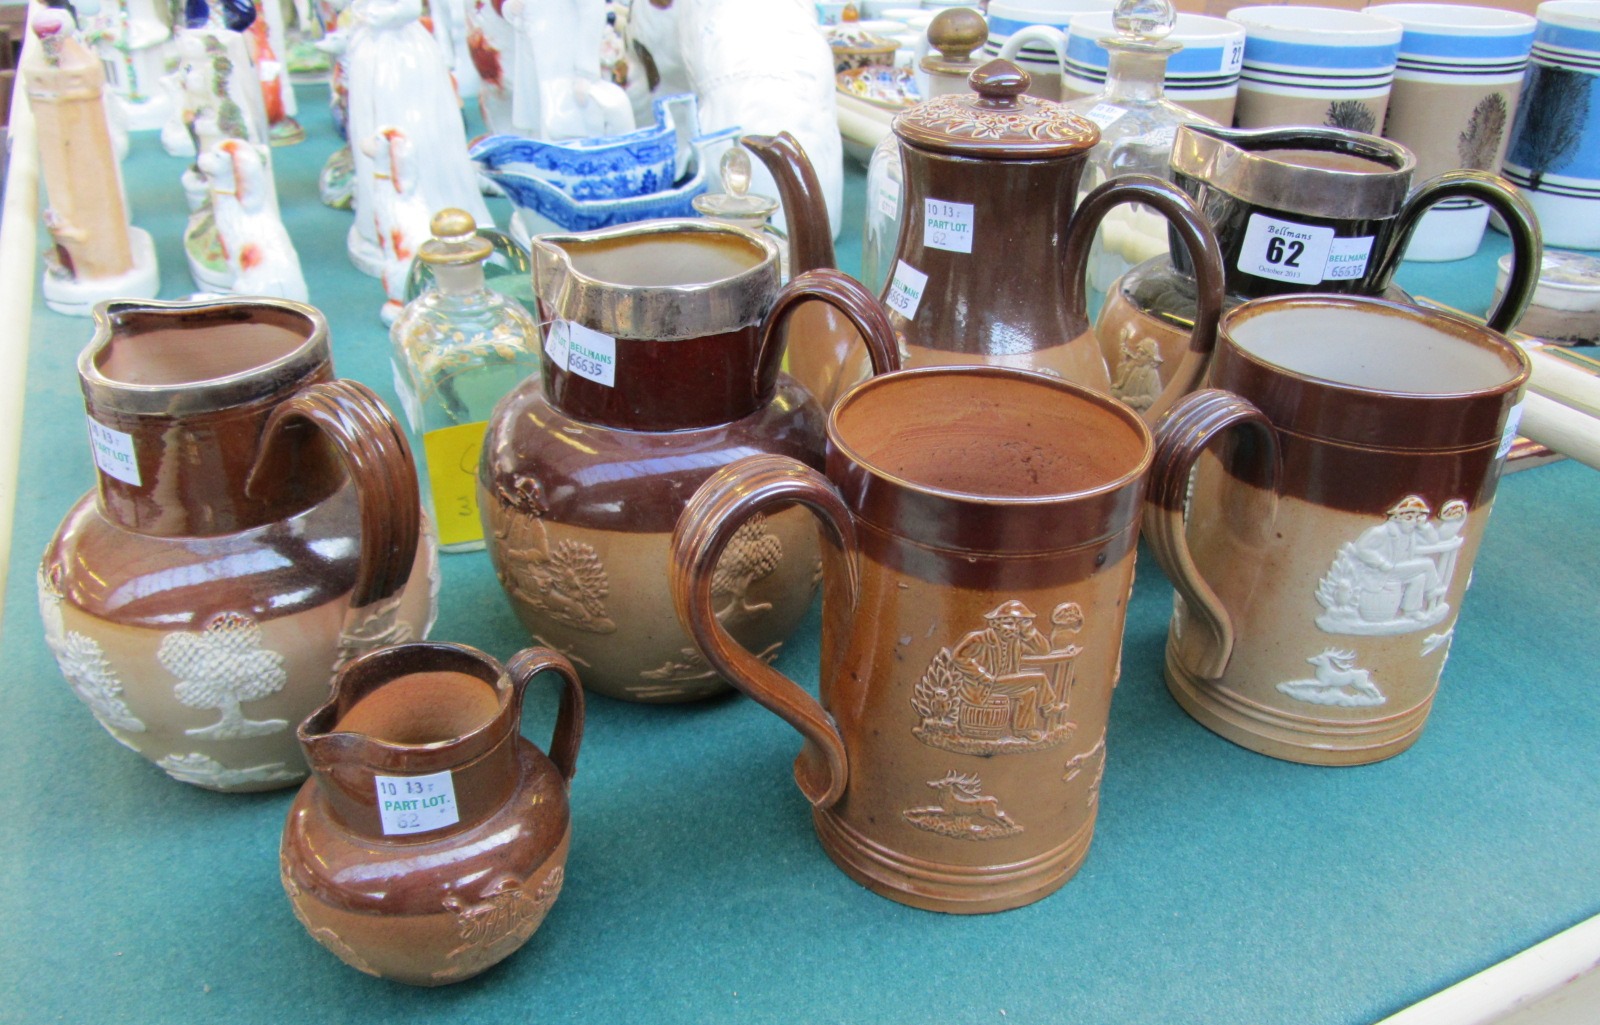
1299 209
255 526
660 366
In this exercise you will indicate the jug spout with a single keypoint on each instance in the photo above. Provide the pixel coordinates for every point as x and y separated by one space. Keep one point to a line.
804 209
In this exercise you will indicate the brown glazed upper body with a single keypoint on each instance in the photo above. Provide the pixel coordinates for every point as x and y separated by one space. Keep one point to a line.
583 475
982 523
255 525
407 892
1328 546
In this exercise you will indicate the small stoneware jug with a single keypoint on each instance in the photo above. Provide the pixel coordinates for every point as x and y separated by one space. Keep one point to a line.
1323 556
981 525
660 366
431 839
1299 209
255 526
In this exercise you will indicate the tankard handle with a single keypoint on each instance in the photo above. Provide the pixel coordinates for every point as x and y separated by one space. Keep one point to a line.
568 734
1521 223
1194 422
839 290
373 450
718 508
1205 254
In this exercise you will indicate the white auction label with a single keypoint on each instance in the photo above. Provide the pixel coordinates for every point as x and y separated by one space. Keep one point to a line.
1509 436
888 197
416 804
113 452
1104 115
582 351
1347 259
1233 57
1284 250
905 291
947 226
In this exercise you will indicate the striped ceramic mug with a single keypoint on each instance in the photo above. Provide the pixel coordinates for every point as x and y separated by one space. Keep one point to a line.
1315 66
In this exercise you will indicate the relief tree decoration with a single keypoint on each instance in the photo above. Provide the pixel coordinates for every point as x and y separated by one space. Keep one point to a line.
222 667
1351 114
1477 144
1550 128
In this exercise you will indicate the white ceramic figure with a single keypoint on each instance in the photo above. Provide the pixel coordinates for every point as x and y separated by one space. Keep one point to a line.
95 253
215 70
491 45
128 36
765 68
269 45
398 79
401 216
651 36
252 237
450 29
557 89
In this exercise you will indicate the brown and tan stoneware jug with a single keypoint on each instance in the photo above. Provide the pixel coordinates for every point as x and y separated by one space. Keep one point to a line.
1322 559
255 526
660 366
431 840
981 526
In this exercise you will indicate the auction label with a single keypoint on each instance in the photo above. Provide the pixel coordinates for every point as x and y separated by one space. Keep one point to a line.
113 452
948 226
1284 250
452 454
905 291
1233 57
1104 115
886 194
416 804
1347 259
1508 437
582 351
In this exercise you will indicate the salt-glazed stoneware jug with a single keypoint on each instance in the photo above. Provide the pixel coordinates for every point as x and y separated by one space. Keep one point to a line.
431 840
660 366
983 270
254 527
1297 209
981 526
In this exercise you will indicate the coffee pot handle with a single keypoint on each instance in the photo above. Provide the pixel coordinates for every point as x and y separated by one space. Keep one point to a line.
373 450
1521 223
728 498
568 734
854 302
1191 227
1180 439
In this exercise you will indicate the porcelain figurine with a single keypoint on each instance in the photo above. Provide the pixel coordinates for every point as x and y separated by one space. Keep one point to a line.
257 249
95 254
557 90
398 79
399 214
129 35
255 526
450 29
216 71
269 45
491 44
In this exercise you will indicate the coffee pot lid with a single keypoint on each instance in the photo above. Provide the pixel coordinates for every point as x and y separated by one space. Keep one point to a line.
996 120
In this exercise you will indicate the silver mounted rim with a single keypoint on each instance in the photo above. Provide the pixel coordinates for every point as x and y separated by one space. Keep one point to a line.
1240 163
663 313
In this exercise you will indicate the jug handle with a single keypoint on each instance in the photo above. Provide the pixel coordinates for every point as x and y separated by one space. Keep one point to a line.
568 734
847 295
373 450
1521 223
1183 434
1192 229
718 508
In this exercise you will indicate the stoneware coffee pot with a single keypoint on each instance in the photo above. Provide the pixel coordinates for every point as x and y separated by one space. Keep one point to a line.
987 269
660 366
1299 209
431 840
255 526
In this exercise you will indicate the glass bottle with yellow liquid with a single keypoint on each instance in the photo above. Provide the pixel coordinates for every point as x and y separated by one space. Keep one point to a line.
457 349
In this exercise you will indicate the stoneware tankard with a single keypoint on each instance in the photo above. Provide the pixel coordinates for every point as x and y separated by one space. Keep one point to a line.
981 524
1330 537
255 526
431 840
660 366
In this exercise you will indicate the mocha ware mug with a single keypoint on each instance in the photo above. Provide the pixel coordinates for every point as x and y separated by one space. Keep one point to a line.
982 524
1328 542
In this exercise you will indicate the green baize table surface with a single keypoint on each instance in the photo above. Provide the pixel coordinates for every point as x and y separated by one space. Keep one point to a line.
1222 886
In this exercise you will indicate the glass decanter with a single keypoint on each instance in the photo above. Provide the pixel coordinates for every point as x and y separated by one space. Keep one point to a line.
1137 125
953 35
740 207
457 349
